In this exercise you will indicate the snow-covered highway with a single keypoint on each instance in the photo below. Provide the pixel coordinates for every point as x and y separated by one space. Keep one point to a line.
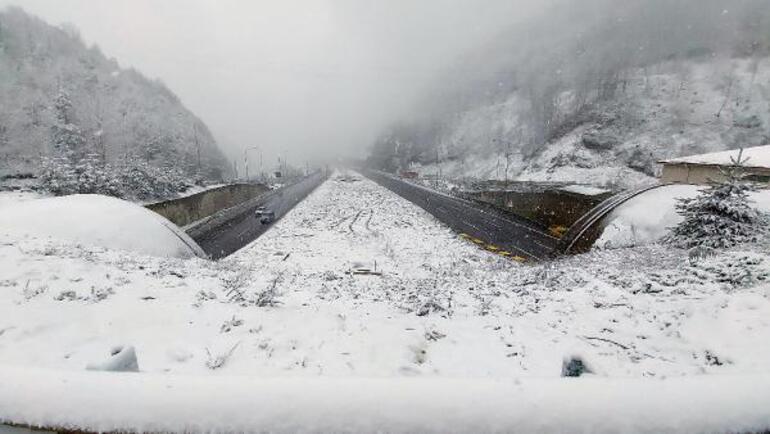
221 238
504 233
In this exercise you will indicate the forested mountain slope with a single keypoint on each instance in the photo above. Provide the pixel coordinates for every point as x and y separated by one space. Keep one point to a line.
65 102
597 92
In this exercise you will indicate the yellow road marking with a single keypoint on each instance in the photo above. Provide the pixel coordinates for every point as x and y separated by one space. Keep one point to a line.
493 248
558 231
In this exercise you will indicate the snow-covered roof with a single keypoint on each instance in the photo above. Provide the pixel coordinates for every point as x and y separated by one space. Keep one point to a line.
758 156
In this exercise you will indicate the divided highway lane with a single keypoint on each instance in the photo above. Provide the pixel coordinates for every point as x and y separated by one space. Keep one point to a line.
222 239
496 231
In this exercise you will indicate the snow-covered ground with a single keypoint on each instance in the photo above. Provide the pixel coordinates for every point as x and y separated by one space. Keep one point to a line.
8 198
298 302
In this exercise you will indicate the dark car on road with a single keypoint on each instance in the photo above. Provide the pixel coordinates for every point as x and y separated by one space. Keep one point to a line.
267 217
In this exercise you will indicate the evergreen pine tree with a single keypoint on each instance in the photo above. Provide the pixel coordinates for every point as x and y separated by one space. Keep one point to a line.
720 216
68 138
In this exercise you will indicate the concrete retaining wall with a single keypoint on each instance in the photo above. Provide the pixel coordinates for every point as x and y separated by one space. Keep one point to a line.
190 209
703 174
550 208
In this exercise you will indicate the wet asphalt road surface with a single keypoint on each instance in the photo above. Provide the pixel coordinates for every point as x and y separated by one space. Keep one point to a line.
494 230
234 234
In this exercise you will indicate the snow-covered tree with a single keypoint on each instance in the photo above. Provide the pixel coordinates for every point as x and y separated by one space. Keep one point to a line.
88 175
130 178
57 176
144 181
720 216
67 136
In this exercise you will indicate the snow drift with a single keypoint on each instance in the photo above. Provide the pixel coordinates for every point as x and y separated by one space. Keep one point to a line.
100 221
103 402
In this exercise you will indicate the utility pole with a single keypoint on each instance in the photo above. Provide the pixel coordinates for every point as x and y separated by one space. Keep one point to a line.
507 159
197 145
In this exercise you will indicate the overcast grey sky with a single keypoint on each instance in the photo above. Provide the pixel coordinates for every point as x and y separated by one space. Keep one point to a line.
304 78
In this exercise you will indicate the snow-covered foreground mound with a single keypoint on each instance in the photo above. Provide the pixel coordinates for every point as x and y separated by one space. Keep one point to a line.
98 221
648 217
356 282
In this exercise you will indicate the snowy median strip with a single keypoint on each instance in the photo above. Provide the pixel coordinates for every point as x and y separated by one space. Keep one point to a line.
101 402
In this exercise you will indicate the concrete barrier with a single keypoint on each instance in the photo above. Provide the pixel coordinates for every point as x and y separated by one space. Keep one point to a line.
187 210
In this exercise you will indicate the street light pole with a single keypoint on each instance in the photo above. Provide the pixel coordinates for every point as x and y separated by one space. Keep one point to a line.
246 163
246 159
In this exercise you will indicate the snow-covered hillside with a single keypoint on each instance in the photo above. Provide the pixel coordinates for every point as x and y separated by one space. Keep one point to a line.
669 110
595 91
60 98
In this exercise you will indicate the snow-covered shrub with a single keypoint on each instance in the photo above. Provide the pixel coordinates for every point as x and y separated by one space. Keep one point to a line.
203 296
217 361
66 296
94 177
728 270
129 179
34 291
230 324
269 297
735 270
720 216
144 181
58 176
428 298
88 175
